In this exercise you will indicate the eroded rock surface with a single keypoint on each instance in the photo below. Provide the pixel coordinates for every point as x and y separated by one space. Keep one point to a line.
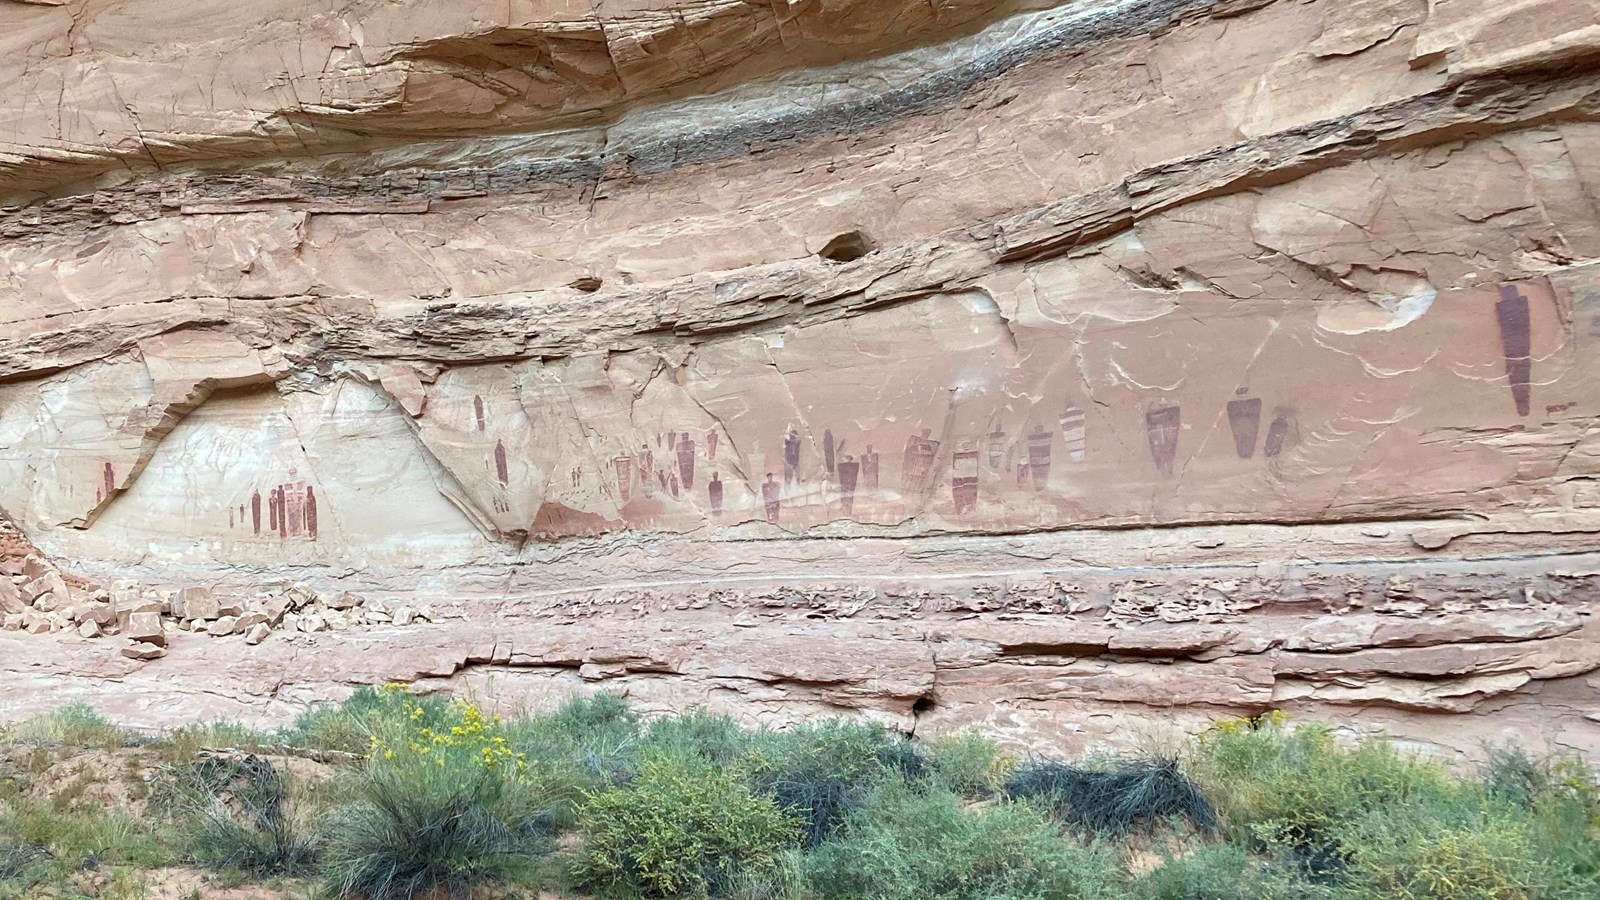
1061 369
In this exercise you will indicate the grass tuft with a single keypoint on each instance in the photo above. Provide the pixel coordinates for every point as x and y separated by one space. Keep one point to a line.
234 816
1129 797
404 840
77 724
443 804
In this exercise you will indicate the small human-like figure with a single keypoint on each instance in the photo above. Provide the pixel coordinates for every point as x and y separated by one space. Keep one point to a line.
770 499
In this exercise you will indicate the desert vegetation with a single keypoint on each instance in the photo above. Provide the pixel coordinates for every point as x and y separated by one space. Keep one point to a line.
393 796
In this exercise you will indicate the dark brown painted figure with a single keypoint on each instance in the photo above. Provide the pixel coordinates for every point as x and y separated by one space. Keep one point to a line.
791 456
477 408
827 451
916 467
849 477
501 470
255 512
714 491
1277 434
964 480
686 461
311 513
294 502
645 463
770 499
1039 456
1516 339
623 467
994 445
1162 426
1244 419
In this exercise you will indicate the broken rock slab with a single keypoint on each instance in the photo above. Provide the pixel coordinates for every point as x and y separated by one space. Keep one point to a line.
102 614
129 607
35 622
343 600
145 627
196 603
143 650
47 591
275 608
11 600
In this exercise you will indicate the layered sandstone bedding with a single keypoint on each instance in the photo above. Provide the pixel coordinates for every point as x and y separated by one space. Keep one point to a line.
1053 369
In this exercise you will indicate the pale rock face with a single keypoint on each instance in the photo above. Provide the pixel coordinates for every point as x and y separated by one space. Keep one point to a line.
1047 367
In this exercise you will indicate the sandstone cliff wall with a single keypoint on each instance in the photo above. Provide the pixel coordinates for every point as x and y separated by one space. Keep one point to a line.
1061 369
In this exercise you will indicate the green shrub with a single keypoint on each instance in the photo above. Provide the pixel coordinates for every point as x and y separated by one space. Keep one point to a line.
784 879
604 718
683 827
1208 872
907 759
820 772
918 843
365 717
588 743
1298 789
970 764
717 739
1561 801
185 743
1427 858
442 805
